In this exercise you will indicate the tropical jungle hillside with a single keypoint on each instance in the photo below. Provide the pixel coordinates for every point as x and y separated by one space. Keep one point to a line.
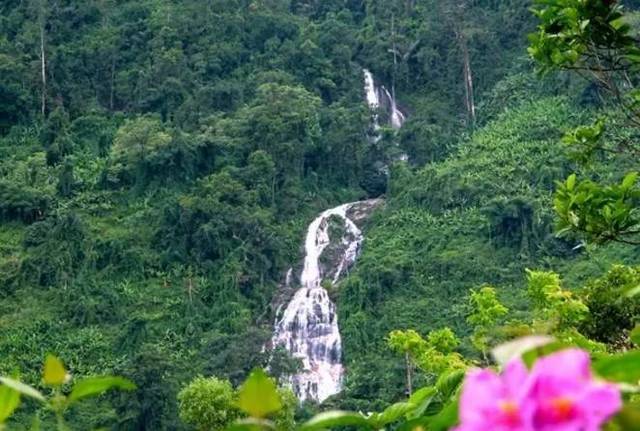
161 161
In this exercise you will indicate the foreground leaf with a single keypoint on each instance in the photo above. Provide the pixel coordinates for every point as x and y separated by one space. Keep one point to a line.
448 383
258 395
9 401
629 417
624 368
336 418
54 373
444 420
421 399
22 388
635 335
93 386
390 414
251 424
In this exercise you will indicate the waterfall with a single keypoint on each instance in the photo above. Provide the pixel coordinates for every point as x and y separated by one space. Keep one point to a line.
308 327
373 100
381 97
396 116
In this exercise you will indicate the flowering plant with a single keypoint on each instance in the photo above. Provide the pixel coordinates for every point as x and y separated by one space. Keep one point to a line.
559 393
543 385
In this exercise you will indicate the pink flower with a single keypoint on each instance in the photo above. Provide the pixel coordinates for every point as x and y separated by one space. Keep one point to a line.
497 403
566 395
559 394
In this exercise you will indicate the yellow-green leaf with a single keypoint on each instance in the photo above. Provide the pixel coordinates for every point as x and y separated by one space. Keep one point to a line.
258 395
9 401
54 373
629 180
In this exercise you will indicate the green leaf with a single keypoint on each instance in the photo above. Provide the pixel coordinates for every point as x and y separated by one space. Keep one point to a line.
258 395
445 419
9 401
571 182
335 418
93 386
634 291
617 23
635 335
23 388
54 373
251 424
624 368
449 382
422 399
629 180
629 417
391 414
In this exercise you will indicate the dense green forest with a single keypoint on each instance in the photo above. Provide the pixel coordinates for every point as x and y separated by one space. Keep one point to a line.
161 161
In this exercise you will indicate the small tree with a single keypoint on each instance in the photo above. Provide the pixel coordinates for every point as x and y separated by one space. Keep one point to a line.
138 140
486 312
435 355
552 303
614 306
208 404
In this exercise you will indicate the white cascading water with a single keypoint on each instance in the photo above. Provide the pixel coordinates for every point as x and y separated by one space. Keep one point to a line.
397 117
373 100
374 97
308 328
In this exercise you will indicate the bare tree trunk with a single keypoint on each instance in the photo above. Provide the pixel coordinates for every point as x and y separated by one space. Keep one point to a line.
113 78
395 57
407 359
43 67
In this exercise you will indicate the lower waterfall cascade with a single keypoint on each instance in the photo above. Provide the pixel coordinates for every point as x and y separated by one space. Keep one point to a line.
308 326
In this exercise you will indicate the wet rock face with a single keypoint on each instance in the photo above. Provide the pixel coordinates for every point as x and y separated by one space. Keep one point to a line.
308 326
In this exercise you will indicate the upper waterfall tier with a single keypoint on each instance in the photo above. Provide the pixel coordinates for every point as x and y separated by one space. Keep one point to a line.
379 97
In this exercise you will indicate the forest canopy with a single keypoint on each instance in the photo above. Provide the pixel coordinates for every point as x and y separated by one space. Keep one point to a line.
162 161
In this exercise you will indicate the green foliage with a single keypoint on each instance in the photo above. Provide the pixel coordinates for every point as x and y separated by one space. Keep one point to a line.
594 39
434 355
601 213
22 203
435 406
613 308
150 212
572 33
212 404
552 304
486 312
54 375
138 141
207 403
621 368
